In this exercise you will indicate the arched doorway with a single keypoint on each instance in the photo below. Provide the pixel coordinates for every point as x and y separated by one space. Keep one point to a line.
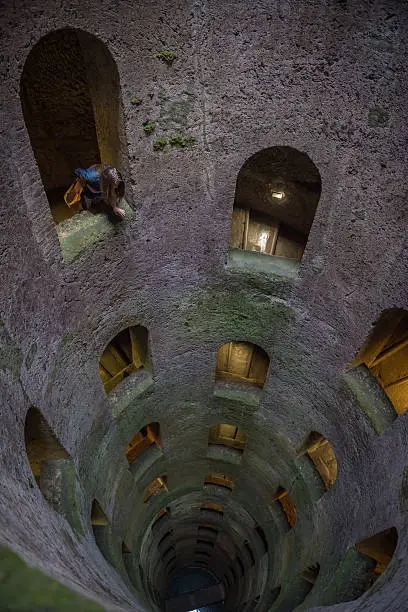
70 97
276 197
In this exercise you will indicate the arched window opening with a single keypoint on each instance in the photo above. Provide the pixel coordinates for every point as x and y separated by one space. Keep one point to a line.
41 443
276 198
323 457
219 480
215 508
98 516
250 553
127 560
275 594
386 356
169 554
164 541
287 505
311 573
381 548
161 517
241 566
261 534
70 98
147 437
207 532
159 485
205 543
242 362
227 435
126 353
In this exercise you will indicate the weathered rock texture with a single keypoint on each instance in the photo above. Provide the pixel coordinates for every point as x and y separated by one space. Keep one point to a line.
326 78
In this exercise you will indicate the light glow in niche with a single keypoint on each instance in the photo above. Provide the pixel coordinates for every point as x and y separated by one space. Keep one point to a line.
278 195
263 239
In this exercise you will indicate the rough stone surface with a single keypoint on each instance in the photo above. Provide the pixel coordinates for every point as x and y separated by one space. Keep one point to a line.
328 79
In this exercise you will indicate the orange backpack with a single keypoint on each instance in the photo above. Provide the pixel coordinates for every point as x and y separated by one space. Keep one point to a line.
73 194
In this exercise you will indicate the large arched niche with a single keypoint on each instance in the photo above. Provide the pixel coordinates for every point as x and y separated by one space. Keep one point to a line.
70 97
276 197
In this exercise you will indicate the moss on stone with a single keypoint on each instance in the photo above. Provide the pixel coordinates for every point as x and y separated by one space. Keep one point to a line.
350 580
378 117
25 589
234 314
149 127
85 230
180 141
371 398
160 143
174 112
11 357
166 56
136 101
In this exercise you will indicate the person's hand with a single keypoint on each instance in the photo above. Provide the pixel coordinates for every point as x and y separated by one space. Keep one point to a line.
119 211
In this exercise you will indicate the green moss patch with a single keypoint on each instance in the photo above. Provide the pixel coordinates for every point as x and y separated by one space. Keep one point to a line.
160 143
25 589
166 56
180 141
85 230
149 127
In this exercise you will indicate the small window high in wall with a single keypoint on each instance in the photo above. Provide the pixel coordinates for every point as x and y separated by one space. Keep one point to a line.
214 508
70 98
159 485
276 197
41 443
242 362
227 435
287 505
125 353
380 547
386 356
220 480
322 455
98 516
147 437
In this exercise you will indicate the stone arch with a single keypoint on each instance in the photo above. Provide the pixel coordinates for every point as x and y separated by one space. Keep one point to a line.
74 119
323 457
52 467
379 547
227 435
126 353
157 486
385 354
276 197
242 362
42 444
146 438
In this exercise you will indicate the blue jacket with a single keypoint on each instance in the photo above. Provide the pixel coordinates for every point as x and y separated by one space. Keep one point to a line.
91 176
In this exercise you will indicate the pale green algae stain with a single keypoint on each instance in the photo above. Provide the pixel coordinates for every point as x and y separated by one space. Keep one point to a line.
25 589
85 229
237 315
174 111
371 398
11 357
350 580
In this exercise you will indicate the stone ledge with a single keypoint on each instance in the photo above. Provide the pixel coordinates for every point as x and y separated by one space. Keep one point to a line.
222 453
57 484
371 398
272 266
143 463
86 229
128 390
238 392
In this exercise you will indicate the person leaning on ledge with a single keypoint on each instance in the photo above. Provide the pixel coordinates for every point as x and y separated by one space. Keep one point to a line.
102 183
